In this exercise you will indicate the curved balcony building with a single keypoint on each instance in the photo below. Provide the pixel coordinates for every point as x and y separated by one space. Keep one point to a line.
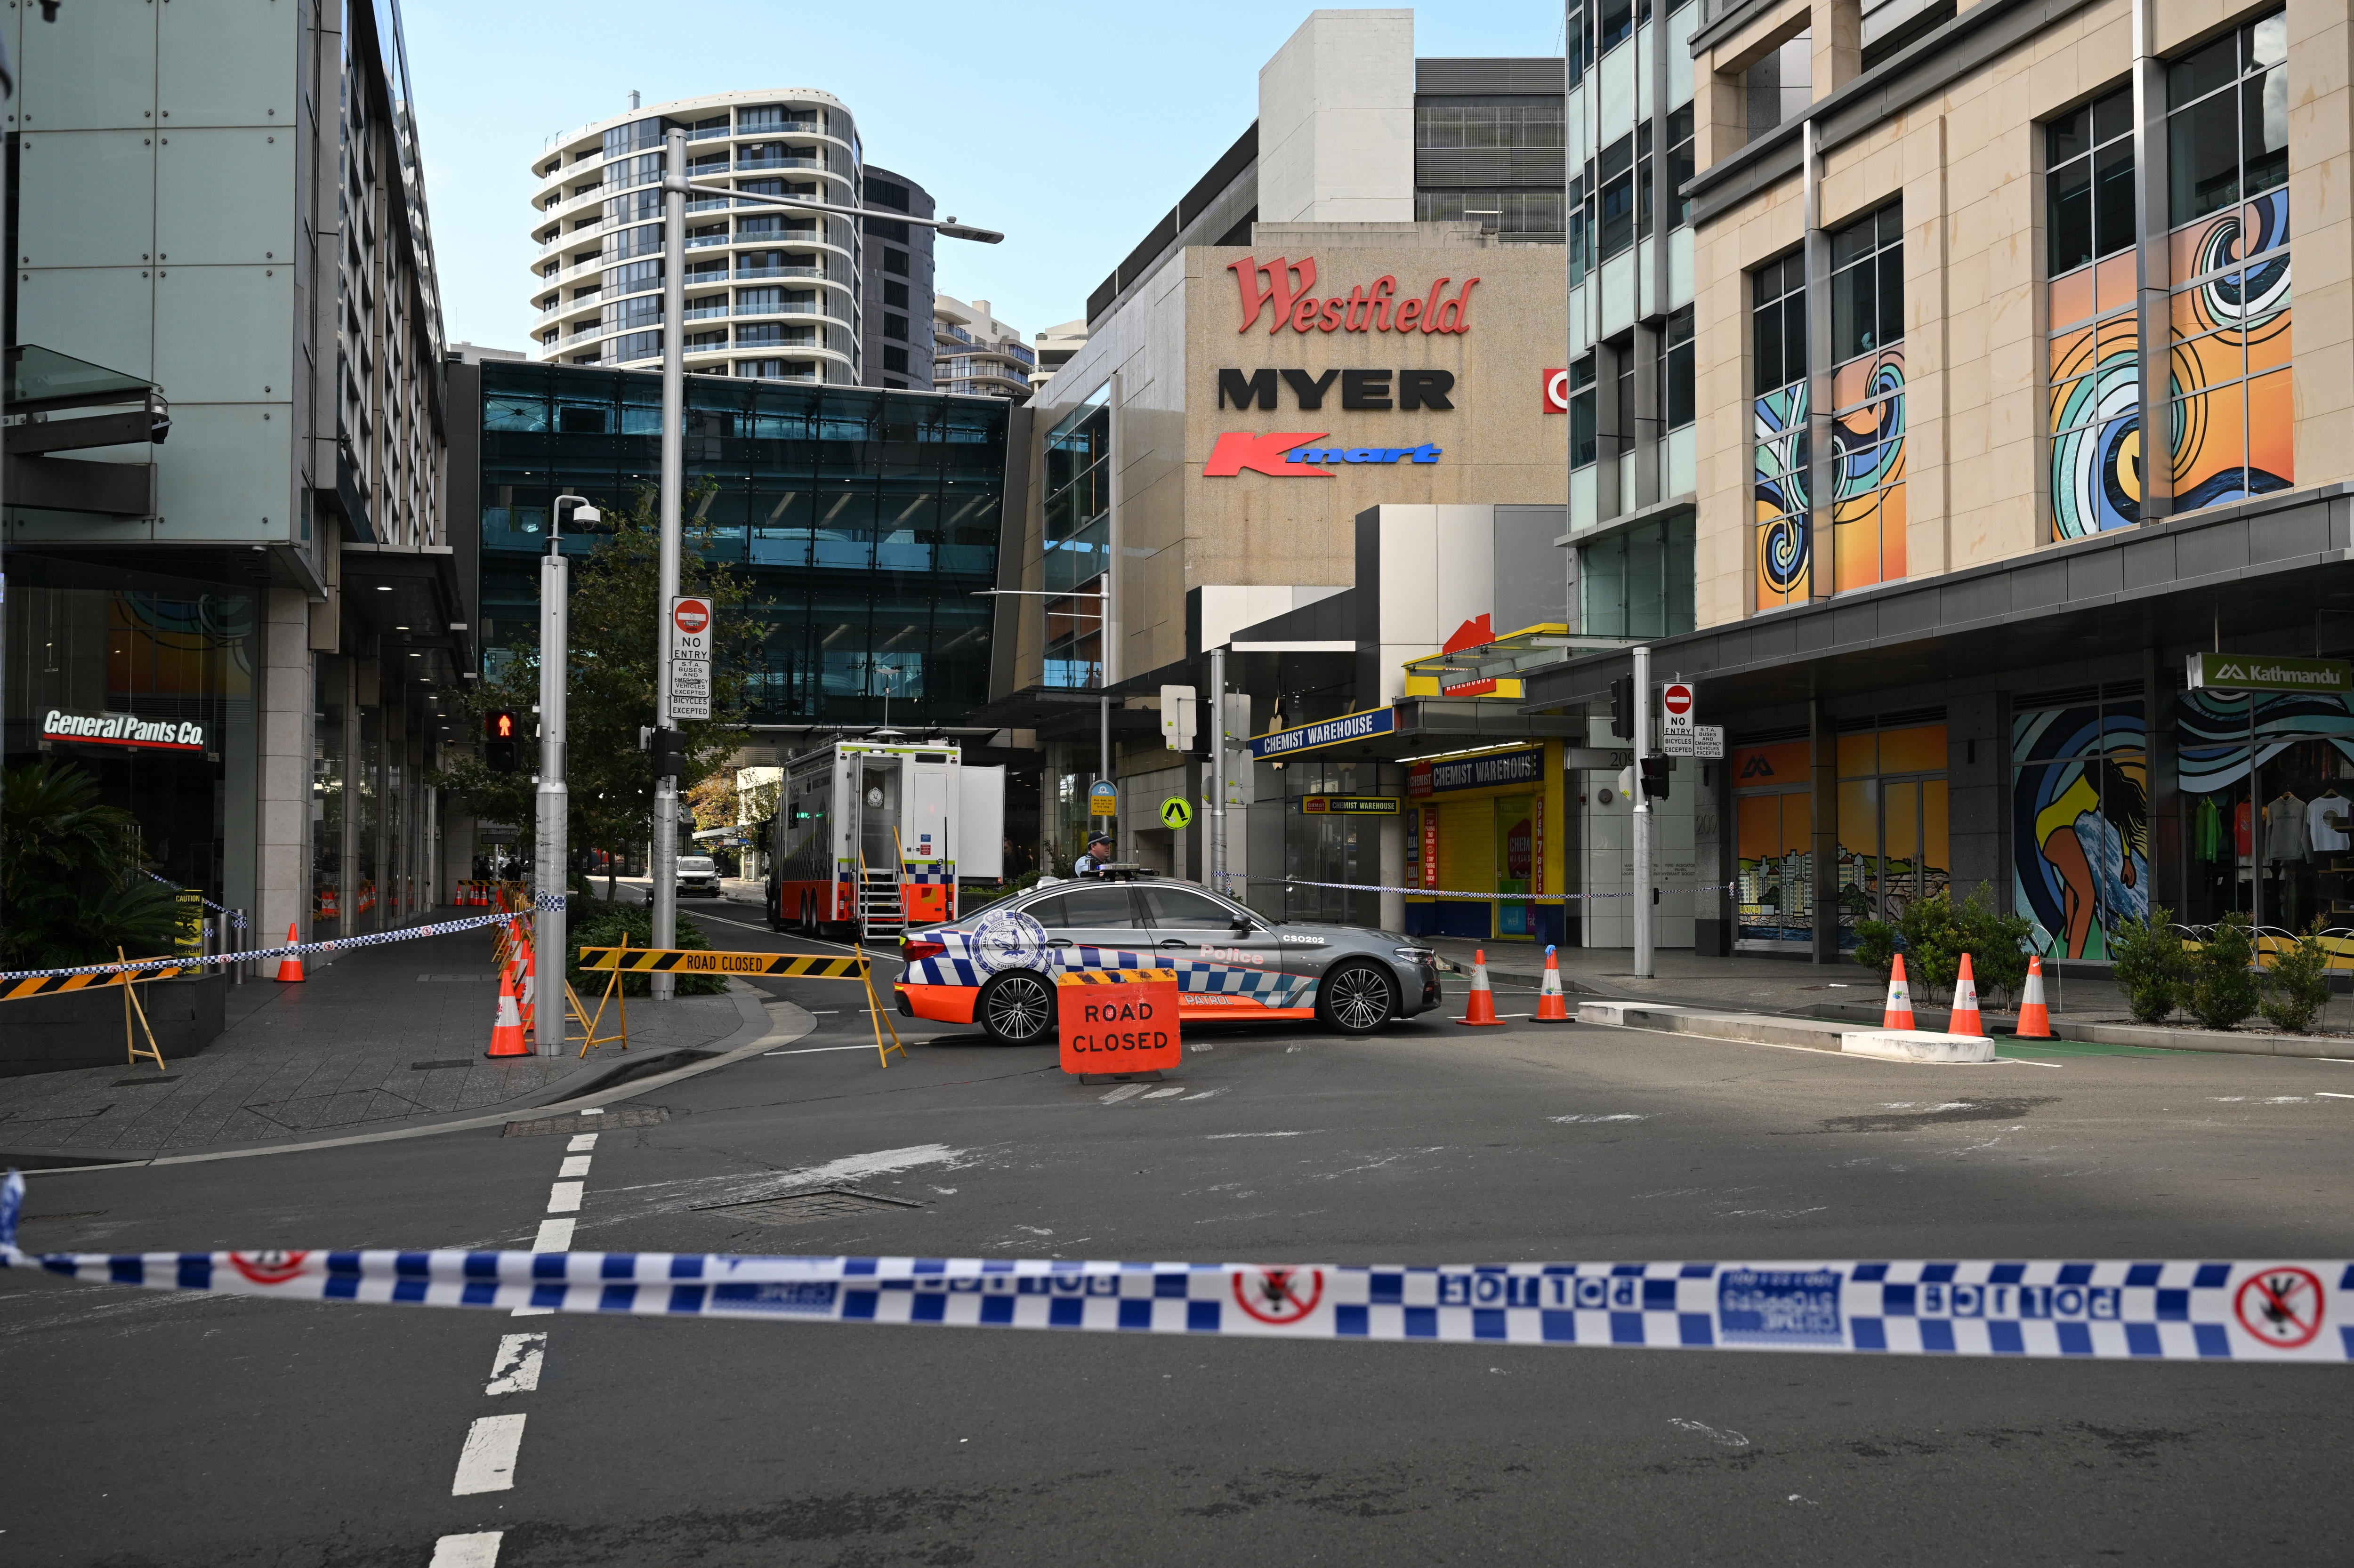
771 294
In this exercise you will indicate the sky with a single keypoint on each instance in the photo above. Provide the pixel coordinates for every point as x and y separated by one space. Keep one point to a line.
1070 127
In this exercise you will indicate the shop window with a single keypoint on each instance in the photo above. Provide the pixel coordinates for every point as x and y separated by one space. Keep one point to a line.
1781 548
1773 844
1892 827
1637 581
2095 346
2268 849
2232 406
1868 400
2080 823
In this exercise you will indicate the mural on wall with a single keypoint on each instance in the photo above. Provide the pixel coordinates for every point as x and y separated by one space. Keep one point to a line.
2212 739
2080 824
2233 412
1868 469
1780 489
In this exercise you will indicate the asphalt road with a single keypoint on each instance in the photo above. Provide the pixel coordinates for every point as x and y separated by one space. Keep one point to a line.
159 1428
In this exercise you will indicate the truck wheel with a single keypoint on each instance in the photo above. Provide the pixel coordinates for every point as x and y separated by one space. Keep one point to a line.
1016 1008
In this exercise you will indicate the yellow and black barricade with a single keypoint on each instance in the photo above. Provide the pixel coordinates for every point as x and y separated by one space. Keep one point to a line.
783 966
50 985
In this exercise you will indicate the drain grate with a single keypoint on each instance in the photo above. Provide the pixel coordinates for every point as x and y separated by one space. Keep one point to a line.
444 1062
614 1118
801 1208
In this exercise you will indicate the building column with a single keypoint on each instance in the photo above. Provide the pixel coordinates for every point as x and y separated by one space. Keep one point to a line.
1822 753
1649 427
1611 444
282 771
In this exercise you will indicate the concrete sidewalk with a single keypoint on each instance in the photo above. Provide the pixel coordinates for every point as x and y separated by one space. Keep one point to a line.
384 1037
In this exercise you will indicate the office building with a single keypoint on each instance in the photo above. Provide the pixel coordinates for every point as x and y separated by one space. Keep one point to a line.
897 273
771 295
976 355
251 627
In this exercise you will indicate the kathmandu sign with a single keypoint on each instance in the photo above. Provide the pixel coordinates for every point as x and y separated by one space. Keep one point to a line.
122 729
2269 673
1286 299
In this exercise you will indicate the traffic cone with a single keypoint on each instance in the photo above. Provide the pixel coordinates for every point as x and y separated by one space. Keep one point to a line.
506 1033
1482 1007
1898 1012
2034 1019
1965 1019
289 968
1551 1006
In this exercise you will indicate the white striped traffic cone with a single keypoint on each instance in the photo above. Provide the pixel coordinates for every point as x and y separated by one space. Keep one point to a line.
1898 1012
2034 1018
1551 1006
1965 1019
1480 1010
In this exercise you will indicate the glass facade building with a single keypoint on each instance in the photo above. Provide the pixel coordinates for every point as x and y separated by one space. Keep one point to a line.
866 520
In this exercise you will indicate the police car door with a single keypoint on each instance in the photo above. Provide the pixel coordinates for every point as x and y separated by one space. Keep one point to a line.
1225 966
1100 915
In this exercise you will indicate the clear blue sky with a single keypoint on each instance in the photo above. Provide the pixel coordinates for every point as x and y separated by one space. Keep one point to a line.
1071 127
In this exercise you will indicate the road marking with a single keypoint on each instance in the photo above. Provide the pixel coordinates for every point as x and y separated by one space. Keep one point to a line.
2332 1095
1164 1094
564 1198
487 1462
1597 1116
515 1369
814 1050
594 1110
2023 1062
1125 1091
480 1550
555 1236
1217 1135
573 1165
582 1142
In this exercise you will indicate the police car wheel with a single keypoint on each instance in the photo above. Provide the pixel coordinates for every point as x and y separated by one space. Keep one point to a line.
1016 1008
1355 999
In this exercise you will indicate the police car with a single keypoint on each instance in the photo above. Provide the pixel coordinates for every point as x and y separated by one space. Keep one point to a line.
1234 965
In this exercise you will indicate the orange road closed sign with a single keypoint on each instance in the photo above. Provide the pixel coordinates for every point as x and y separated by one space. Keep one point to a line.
1119 1021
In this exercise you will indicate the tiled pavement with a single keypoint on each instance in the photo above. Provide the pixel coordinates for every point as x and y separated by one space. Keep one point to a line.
383 1037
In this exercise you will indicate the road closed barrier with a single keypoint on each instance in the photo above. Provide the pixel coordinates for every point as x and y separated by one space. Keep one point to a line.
2268 1311
1118 1020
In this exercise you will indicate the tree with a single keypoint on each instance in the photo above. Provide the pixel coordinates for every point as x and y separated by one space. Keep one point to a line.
611 688
70 874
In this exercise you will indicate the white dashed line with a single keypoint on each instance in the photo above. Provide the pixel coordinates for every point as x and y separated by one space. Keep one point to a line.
487 1462
582 1142
1126 1091
477 1550
2332 1095
573 1165
1164 1094
555 1236
564 1198
515 1369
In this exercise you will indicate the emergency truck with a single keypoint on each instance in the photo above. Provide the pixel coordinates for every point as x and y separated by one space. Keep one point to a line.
871 837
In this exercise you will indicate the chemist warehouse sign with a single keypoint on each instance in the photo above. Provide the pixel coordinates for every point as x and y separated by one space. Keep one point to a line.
1281 296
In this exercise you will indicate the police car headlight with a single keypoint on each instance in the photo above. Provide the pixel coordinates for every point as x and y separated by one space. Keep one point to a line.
1417 955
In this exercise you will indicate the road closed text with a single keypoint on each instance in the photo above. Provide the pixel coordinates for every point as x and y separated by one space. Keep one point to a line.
1123 1024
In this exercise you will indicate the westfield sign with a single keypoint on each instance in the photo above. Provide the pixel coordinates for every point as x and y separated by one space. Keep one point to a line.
1282 292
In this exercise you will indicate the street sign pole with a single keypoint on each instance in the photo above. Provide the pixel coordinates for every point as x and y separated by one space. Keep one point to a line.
1641 892
1218 767
664 849
552 801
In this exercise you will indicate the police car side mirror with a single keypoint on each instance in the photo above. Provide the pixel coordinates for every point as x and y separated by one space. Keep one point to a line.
1242 926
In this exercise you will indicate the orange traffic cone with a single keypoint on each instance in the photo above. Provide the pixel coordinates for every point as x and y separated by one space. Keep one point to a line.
289 968
2034 1019
1551 1006
506 1033
1482 1007
1965 1019
1898 1012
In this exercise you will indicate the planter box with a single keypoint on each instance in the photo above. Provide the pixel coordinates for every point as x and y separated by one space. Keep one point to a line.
84 1027
2165 1037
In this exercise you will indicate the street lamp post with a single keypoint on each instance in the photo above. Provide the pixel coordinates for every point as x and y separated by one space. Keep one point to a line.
552 802
676 188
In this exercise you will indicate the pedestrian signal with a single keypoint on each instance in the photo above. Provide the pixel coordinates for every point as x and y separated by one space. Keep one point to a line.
501 729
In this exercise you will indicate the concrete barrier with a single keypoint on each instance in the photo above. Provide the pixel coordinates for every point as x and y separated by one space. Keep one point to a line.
1917 1045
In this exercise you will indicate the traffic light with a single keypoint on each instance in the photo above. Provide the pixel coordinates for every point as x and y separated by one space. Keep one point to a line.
501 729
669 754
1622 708
1654 777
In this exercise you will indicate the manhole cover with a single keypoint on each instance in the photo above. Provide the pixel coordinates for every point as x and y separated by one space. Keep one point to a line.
617 1118
799 1208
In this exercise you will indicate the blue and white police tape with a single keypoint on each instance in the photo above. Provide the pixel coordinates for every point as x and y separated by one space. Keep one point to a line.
2117 1311
258 955
235 917
1487 897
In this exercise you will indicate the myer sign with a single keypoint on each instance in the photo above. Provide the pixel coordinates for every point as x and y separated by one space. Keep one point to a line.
2269 673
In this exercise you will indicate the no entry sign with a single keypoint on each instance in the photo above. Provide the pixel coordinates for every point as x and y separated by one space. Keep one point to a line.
1676 708
1119 1021
690 657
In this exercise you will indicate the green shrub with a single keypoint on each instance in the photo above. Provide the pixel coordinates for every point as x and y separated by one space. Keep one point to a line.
2224 988
2153 968
1876 946
2297 988
1933 947
69 876
596 922
1996 942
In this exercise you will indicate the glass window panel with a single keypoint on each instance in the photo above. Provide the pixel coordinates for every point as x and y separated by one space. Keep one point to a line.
2272 431
2204 71
1768 341
2203 158
1854 313
2267 41
2071 226
2072 298
2263 133
2113 116
2113 198
1859 755
1892 297
2067 136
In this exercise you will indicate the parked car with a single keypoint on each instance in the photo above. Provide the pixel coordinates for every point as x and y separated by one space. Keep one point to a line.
698 873
996 968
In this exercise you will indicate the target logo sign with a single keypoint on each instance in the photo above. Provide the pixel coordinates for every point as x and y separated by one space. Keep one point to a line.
1279 1295
2281 1306
1556 391
268 1268
692 615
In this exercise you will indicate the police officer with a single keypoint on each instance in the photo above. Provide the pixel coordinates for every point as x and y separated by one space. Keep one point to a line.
1099 851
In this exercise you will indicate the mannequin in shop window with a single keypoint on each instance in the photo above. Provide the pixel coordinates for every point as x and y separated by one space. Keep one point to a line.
2286 843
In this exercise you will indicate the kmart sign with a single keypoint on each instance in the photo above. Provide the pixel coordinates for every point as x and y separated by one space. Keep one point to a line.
2269 673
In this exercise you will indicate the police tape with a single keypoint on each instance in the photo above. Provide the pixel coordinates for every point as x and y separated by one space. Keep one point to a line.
235 917
2112 1310
9 991
1490 897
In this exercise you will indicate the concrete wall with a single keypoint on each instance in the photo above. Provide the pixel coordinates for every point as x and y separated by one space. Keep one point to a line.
1336 120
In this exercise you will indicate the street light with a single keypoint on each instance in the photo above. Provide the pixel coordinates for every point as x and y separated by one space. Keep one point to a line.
553 802
676 188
